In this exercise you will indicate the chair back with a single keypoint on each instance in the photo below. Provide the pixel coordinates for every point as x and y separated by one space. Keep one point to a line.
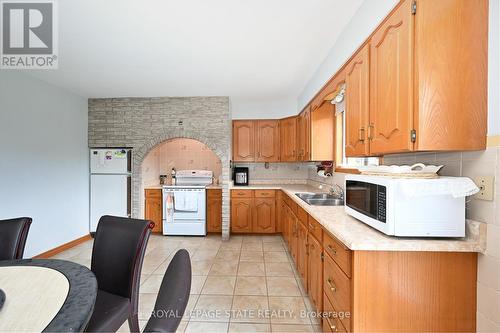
13 234
173 296
117 255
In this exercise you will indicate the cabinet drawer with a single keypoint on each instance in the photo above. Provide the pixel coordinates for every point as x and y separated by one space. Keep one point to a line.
153 193
331 322
214 193
264 193
337 288
241 193
315 228
339 252
302 215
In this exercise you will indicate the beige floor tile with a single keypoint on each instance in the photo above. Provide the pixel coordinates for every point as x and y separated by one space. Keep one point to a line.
201 267
254 246
282 286
197 282
204 255
249 328
250 309
81 261
224 267
124 328
252 239
317 328
219 285
231 245
272 239
273 247
250 285
292 310
152 284
279 269
289 328
212 308
206 327
276 256
256 256
251 269
302 287
228 255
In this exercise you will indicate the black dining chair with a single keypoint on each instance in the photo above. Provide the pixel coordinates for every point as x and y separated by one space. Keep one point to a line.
117 255
13 234
173 296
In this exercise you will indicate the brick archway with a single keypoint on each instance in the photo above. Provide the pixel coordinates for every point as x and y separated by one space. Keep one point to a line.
140 153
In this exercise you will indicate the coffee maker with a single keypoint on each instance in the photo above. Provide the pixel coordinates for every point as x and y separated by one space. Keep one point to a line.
240 176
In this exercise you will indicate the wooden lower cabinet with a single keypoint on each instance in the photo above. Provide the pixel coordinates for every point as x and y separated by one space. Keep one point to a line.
264 215
302 255
253 211
315 272
153 210
214 210
380 291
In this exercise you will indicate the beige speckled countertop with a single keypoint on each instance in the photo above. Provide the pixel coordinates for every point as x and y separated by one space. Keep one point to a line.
359 236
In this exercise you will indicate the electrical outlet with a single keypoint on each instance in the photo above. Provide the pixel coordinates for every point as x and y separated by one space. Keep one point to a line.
485 184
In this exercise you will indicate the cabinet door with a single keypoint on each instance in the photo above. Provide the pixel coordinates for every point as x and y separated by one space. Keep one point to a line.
241 215
243 141
315 273
357 103
214 211
264 215
304 135
302 253
293 235
153 211
391 86
288 137
268 141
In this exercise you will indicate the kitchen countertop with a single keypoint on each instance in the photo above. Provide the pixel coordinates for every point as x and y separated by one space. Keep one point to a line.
359 236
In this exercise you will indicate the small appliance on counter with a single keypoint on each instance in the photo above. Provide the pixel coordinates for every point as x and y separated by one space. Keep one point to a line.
409 207
240 176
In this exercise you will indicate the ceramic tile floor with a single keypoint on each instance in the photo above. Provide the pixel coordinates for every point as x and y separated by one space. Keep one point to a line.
246 284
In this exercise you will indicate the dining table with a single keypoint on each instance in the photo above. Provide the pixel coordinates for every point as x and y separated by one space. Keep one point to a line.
45 295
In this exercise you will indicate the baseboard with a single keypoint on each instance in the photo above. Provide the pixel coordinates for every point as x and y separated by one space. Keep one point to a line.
64 247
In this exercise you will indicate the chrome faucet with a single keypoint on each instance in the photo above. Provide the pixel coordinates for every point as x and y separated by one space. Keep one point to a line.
337 191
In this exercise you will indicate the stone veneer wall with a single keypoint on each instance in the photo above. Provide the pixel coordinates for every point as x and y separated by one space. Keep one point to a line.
143 123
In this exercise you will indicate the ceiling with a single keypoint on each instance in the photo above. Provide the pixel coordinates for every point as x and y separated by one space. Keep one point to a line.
258 49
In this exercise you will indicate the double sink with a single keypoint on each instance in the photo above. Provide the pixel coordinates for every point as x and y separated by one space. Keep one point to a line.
320 199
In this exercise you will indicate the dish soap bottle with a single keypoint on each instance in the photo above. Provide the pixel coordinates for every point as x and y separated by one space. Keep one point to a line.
173 176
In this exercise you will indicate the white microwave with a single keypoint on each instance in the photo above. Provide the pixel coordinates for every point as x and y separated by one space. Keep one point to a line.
391 206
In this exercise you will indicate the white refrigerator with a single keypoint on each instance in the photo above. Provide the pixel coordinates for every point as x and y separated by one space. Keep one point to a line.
110 171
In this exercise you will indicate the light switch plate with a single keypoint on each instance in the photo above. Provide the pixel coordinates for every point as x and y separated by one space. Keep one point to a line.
485 184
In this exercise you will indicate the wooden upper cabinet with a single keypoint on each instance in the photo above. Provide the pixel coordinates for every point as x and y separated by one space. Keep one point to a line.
264 215
451 39
357 103
288 139
323 133
391 86
304 135
243 141
267 140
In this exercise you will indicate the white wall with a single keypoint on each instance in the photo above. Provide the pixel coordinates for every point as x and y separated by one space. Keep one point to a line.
43 160
367 18
272 108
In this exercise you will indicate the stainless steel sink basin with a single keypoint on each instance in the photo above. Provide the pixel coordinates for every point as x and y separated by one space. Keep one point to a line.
320 199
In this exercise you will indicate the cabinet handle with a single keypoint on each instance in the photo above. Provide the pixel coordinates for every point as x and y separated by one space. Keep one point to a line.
362 134
333 328
371 127
332 249
332 285
312 227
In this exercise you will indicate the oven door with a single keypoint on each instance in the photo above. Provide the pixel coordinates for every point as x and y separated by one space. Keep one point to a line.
184 204
368 202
